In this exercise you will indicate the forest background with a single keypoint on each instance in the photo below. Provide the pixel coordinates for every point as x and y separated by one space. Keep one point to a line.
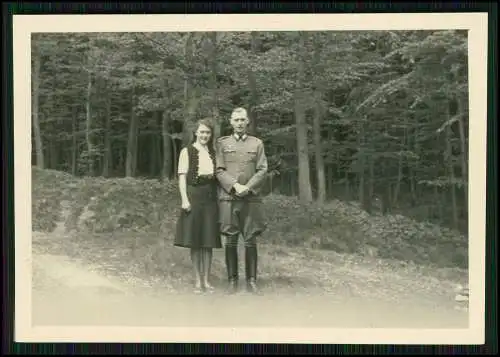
366 132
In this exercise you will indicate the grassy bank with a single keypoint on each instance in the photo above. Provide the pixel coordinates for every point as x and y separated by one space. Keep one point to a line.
147 209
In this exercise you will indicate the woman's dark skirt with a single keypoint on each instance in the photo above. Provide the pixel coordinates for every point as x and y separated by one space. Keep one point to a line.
199 228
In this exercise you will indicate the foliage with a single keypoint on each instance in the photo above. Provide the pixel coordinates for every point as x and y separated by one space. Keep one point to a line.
385 99
115 206
347 228
128 204
49 189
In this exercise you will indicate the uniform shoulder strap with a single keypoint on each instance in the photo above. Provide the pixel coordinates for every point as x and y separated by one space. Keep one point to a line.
222 138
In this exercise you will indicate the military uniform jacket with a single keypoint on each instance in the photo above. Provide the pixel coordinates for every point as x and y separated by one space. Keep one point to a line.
240 161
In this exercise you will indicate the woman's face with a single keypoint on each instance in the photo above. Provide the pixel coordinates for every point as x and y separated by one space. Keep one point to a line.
203 134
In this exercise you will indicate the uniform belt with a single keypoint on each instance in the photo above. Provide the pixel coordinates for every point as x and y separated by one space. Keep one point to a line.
203 180
206 177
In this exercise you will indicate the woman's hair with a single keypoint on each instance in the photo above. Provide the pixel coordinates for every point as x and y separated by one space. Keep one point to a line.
209 124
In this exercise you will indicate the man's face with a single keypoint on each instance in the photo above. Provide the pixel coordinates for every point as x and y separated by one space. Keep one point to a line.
239 124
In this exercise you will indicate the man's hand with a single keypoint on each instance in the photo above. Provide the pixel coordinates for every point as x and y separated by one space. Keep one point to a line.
241 190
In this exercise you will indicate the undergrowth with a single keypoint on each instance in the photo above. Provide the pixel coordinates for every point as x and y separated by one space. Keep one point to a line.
49 189
115 205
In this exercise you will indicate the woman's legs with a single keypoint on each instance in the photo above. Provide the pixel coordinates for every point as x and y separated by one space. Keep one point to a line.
196 260
207 265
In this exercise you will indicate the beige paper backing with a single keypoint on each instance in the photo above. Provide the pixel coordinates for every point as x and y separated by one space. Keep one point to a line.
24 25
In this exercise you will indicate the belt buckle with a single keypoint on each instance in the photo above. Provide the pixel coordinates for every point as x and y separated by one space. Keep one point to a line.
205 177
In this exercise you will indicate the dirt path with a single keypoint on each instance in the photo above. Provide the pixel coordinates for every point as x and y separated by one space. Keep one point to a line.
68 292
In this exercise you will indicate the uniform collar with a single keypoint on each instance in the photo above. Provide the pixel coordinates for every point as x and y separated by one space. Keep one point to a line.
242 137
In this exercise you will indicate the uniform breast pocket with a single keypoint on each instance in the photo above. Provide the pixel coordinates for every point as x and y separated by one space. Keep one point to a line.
230 155
251 155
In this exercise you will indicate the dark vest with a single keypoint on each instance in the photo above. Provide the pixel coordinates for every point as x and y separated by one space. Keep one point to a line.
192 175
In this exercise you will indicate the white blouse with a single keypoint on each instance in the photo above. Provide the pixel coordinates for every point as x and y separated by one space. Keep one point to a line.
205 162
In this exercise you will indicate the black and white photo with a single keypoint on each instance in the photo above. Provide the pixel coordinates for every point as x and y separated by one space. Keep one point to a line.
316 176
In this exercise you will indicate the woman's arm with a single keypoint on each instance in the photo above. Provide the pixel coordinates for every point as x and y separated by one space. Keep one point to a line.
182 171
182 188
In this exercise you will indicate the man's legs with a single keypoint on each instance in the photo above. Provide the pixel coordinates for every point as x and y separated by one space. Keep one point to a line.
251 267
231 252
253 226
230 231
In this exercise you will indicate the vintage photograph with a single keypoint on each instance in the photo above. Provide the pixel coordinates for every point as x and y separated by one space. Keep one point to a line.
257 179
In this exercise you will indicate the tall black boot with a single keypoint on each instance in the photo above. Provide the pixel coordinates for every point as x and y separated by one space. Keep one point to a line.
232 268
251 269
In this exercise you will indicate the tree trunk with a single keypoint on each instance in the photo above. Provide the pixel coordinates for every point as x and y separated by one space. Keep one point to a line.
214 86
159 161
347 186
74 150
413 188
167 147
397 189
153 158
371 180
168 160
451 171
88 131
158 147
189 96
107 162
318 118
328 174
294 184
395 197
386 200
54 155
320 165
416 170
305 192
121 159
413 185
328 189
438 199
36 109
252 84
383 186
131 162
362 163
463 153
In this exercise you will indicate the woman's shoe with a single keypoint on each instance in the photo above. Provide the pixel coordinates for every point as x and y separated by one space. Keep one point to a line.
198 289
209 287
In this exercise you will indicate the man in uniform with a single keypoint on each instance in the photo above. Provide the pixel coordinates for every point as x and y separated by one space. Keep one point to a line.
241 167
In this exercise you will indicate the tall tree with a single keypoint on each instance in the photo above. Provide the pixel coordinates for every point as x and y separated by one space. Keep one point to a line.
88 112
318 119
131 164
252 82
190 100
213 83
305 192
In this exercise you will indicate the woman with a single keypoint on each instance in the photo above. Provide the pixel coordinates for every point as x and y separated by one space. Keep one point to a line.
197 227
